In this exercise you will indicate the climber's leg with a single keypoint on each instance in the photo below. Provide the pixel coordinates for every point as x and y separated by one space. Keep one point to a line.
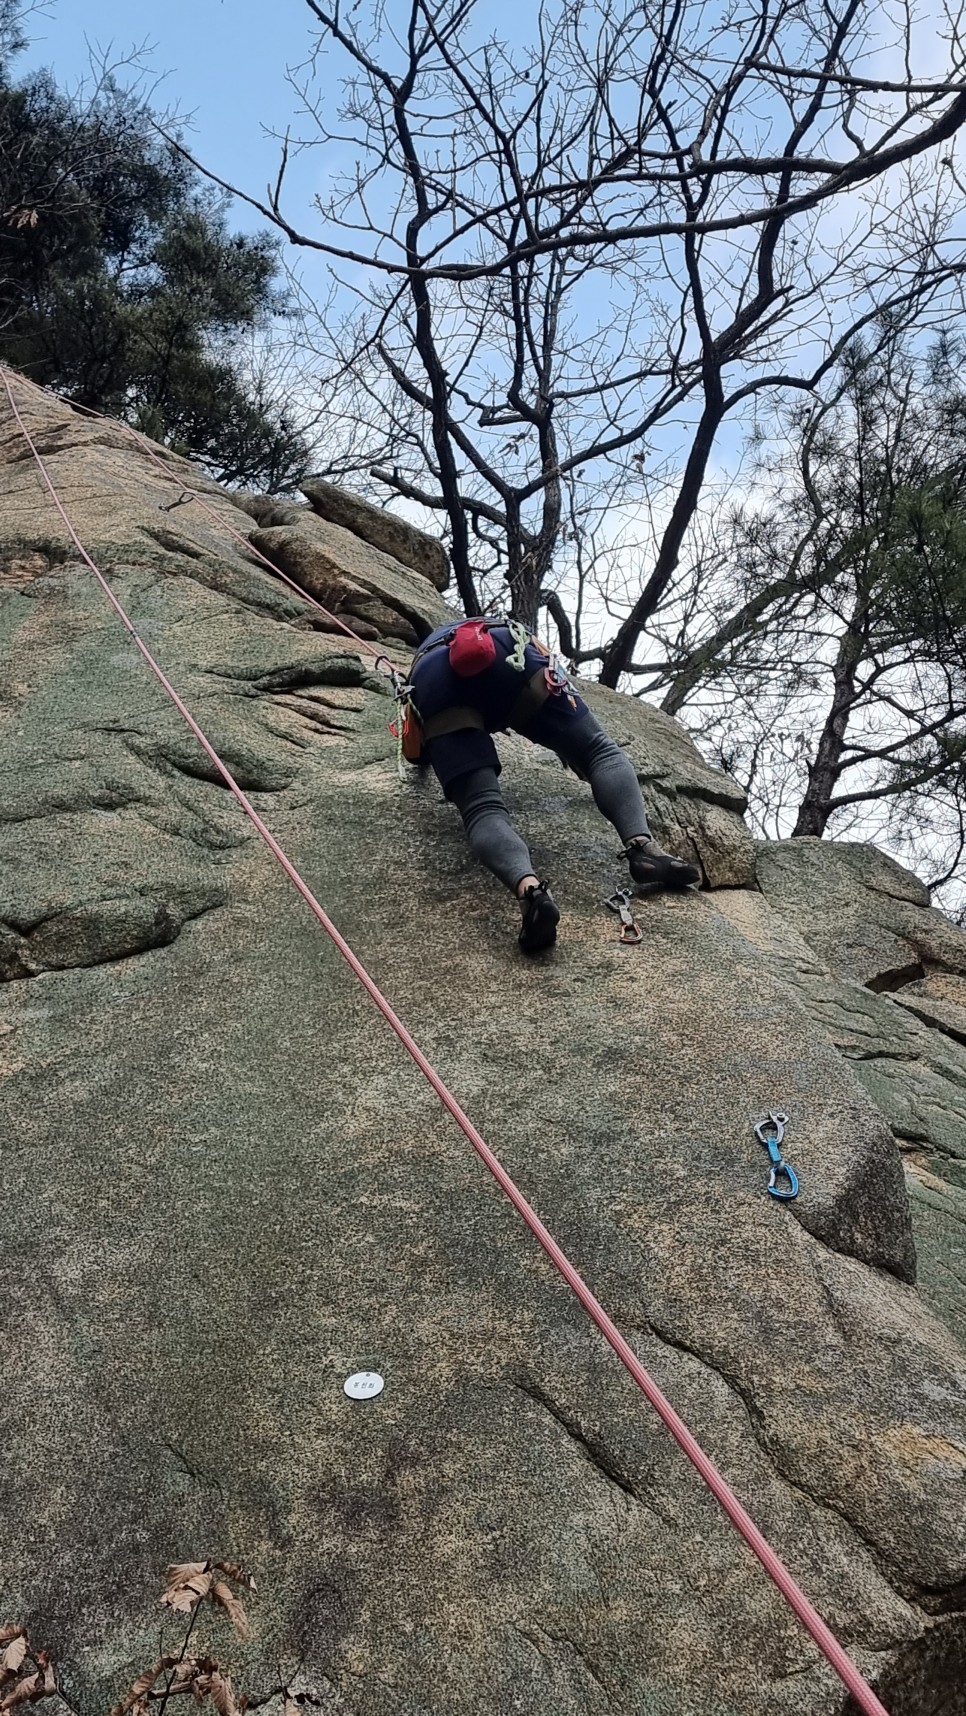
496 843
491 834
583 744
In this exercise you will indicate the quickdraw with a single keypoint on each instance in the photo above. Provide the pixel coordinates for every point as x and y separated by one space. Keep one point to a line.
630 930
779 1166
398 726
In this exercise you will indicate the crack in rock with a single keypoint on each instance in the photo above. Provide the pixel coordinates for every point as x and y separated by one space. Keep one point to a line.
590 1449
251 773
532 1635
773 1452
207 1479
887 982
922 1012
851 1052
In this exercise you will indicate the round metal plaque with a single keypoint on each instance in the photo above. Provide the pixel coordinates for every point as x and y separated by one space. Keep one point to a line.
363 1385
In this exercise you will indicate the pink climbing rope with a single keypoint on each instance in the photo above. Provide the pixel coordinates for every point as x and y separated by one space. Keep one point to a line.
827 1643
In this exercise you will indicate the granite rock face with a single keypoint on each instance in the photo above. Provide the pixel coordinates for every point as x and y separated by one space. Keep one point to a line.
860 911
384 530
353 579
226 1189
885 974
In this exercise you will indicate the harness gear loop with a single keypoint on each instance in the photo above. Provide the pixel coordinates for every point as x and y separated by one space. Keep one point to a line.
779 1166
630 930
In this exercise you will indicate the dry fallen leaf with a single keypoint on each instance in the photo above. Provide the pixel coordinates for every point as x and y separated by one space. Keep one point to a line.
182 1571
291 1708
19 1694
184 1595
225 1597
33 1686
234 1570
13 1656
11 1630
146 1680
222 1695
185 1678
136 1695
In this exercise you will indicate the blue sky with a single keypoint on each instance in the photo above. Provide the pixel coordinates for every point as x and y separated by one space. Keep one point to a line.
222 62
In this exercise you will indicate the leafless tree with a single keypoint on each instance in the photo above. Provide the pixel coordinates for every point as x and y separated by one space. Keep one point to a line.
576 257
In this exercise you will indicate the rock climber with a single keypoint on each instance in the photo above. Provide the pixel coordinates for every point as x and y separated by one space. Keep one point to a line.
472 679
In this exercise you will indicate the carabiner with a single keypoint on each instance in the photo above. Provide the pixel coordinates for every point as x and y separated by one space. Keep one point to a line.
778 1121
184 497
630 932
399 687
776 1191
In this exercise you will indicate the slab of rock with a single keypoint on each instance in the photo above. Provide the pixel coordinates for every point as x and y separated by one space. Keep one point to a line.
938 1000
354 580
864 914
908 1050
261 507
225 1190
395 536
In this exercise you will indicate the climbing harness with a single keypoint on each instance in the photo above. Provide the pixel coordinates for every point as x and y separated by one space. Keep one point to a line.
865 1698
471 650
777 1122
630 931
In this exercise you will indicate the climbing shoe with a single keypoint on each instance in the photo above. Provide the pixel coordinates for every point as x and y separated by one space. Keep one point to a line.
541 915
654 870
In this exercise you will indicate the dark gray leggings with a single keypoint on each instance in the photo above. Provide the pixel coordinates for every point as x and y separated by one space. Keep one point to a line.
595 755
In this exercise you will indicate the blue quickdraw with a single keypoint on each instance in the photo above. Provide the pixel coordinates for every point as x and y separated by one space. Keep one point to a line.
778 1163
